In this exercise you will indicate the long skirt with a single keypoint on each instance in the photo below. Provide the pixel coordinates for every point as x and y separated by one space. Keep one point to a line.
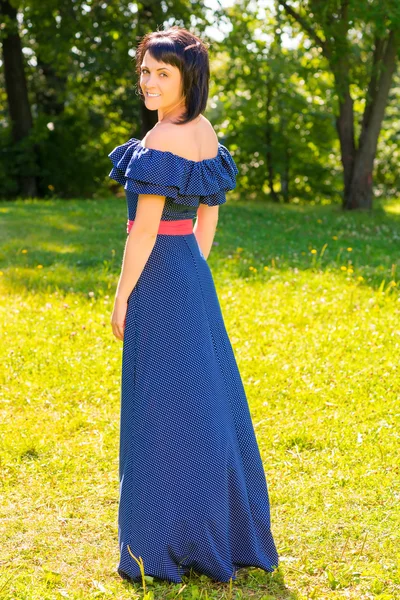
193 492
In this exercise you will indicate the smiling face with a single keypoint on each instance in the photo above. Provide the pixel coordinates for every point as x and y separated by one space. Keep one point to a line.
162 79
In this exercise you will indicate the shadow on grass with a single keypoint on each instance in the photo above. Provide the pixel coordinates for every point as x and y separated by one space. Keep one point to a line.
251 584
76 245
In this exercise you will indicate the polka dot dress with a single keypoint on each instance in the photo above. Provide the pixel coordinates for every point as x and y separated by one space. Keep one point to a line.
193 492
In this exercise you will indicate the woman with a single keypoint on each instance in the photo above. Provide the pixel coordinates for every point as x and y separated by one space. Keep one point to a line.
193 493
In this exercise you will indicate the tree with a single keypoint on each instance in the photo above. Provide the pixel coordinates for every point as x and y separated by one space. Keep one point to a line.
360 40
70 88
17 95
274 103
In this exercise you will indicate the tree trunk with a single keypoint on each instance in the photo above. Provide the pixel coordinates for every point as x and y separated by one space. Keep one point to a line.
268 139
285 177
51 97
360 191
146 15
17 98
358 163
345 129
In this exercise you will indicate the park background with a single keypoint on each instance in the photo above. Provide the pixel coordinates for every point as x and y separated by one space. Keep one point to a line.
305 260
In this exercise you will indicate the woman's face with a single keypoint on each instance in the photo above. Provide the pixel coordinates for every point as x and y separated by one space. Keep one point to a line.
162 79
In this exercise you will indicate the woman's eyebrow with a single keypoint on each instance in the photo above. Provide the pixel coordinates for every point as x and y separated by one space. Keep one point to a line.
161 69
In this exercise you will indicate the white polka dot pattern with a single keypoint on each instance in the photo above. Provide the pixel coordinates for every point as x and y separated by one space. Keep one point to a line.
185 183
193 492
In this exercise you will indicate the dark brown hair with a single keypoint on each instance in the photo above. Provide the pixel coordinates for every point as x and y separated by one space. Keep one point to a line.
177 46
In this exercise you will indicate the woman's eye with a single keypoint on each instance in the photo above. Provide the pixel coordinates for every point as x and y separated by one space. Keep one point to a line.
146 71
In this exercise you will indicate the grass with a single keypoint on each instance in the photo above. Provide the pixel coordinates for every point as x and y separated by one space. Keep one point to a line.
311 301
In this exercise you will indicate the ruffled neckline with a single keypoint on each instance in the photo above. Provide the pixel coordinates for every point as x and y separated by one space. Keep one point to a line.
147 170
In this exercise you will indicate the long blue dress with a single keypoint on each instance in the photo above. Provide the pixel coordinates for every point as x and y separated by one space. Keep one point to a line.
193 492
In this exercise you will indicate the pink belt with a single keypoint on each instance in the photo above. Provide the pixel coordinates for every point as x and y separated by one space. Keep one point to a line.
183 226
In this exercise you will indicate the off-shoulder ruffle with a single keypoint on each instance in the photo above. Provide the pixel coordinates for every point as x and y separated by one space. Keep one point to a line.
149 171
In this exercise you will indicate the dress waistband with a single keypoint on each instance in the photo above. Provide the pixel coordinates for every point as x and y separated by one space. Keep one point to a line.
179 227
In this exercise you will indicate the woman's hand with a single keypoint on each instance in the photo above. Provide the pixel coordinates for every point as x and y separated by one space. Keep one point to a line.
118 318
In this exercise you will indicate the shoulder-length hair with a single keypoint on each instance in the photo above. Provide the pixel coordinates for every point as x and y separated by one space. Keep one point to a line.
177 46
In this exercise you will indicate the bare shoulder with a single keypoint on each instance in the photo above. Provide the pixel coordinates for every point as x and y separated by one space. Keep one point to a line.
158 138
193 141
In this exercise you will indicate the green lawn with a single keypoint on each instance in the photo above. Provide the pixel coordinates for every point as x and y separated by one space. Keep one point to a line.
311 301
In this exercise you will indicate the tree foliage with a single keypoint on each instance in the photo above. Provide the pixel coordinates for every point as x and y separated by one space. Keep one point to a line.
305 121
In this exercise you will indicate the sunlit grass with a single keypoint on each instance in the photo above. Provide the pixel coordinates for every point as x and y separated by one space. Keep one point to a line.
311 301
